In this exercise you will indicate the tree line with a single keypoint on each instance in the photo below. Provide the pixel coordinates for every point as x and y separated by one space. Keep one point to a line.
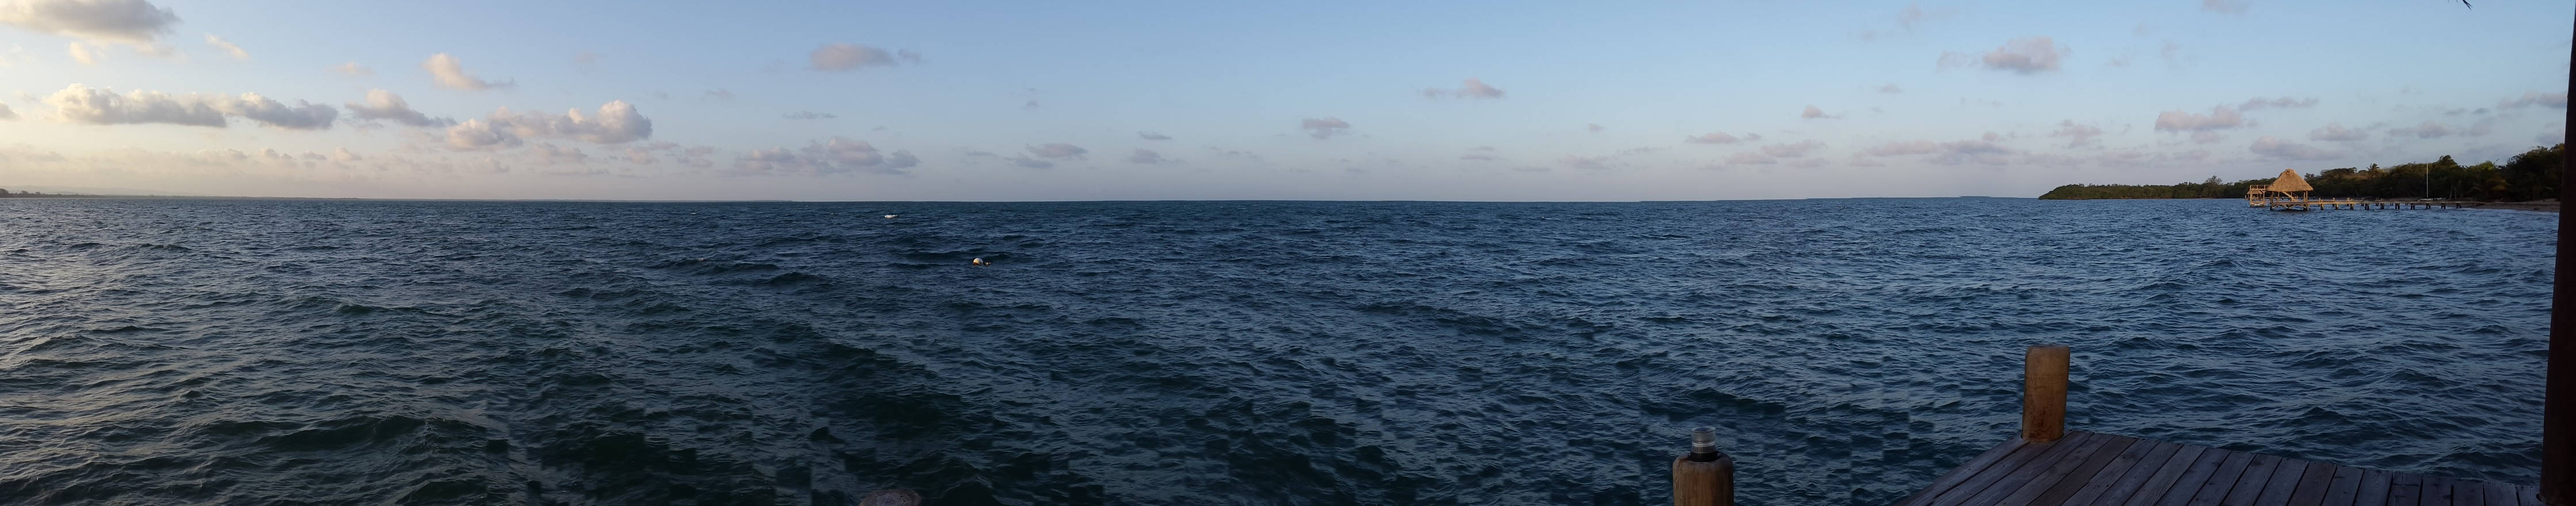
2532 175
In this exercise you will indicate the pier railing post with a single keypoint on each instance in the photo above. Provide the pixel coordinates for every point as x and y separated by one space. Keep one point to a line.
1705 476
2043 393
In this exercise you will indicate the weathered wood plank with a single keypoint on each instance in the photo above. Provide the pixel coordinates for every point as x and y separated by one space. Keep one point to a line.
2527 495
2214 487
2468 493
2312 485
2030 453
2287 479
2501 494
2035 471
2178 490
2437 491
2148 491
2347 482
2116 481
2257 478
2405 489
2063 480
2374 489
1963 472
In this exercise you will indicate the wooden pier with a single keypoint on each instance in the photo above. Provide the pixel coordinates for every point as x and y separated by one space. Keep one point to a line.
2045 465
2290 193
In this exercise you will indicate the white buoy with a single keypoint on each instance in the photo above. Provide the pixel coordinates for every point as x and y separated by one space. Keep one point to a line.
980 261
889 216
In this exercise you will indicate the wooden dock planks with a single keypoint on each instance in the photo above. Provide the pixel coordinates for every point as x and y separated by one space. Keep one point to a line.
2088 468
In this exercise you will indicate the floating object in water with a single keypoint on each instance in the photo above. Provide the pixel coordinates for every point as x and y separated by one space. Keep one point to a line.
980 261
889 216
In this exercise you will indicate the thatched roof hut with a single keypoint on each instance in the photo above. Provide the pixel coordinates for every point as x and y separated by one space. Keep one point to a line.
2291 182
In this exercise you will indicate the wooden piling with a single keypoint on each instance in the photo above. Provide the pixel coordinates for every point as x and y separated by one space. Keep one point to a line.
2043 393
1705 476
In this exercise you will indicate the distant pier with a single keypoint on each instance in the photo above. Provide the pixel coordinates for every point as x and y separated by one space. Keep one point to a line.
2290 193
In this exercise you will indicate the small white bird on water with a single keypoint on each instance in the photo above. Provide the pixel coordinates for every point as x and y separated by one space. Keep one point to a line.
889 216
980 261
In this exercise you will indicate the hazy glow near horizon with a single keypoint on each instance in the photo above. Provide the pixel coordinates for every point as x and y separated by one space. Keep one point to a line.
1196 100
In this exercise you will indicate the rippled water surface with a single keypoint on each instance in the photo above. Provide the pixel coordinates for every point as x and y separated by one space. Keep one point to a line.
374 352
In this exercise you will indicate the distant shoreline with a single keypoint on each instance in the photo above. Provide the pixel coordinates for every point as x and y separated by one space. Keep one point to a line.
2545 206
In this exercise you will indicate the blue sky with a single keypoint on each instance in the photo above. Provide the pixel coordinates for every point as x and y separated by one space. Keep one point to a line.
1048 101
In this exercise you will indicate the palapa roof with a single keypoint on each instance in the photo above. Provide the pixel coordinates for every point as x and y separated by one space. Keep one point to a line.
2291 182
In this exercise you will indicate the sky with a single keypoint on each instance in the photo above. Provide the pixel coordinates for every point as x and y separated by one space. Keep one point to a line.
1497 101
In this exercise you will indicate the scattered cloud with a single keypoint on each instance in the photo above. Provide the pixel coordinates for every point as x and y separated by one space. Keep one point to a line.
1324 128
1799 149
2275 148
1712 138
550 154
1813 113
2335 132
2551 99
227 46
130 21
718 94
1751 158
1478 157
1890 88
385 105
342 155
2279 103
449 73
843 57
2026 55
82 54
808 115
1151 136
2077 134
5 113
2427 130
616 122
1986 150
2206 137
2219 117
837 155
1145 156
1032 163
1593 128
2223 6
100 106
1057 151
353 69
1907 19
1585 162
1473 88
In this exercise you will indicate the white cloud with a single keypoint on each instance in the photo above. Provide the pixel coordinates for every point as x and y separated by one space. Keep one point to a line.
2027 55
130 21
549 154
2223 6
1146 156
808 115
82 54
100 106
1712 138
342 155
1593 128
1813 113
2219 117
1057 151
2283 102
1585 162
449 73
2337 133
227 46
2275 148
1984 150
5 113
2551 99
837 155
1751 158
1796 150
1151 136
2427 130
2206 137
385 105
841 57
616 122
2077 134
1890 88
1473 88
352 69
1324 128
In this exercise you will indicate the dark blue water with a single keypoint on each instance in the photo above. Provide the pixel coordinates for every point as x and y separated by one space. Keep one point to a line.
358 352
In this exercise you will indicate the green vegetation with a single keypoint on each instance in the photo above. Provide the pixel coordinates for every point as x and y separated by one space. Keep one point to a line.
2532 175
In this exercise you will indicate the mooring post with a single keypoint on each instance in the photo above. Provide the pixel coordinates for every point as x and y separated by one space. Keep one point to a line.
1705 476
2043 393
